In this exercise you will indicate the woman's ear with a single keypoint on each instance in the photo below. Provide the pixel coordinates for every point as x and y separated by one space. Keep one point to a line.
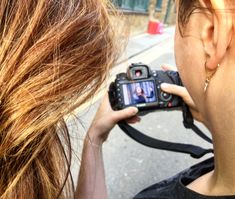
216 33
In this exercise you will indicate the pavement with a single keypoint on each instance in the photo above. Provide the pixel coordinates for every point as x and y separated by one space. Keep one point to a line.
141 43
130 167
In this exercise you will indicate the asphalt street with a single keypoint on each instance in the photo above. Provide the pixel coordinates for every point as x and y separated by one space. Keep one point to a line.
131 167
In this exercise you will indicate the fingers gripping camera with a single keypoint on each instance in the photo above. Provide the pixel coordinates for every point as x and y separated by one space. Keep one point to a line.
140 87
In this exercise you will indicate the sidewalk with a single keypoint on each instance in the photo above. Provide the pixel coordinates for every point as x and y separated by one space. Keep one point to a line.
141 43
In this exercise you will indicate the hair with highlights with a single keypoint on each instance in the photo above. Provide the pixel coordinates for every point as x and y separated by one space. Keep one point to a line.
54 55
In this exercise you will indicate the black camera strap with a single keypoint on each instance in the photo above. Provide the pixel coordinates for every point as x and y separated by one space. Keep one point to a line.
194 151
189 123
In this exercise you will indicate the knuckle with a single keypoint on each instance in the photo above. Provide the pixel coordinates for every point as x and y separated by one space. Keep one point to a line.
184 93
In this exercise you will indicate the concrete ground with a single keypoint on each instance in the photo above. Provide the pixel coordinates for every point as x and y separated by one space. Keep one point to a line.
130 167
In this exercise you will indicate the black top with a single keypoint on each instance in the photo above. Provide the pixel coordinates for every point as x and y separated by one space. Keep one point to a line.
140 99
175 187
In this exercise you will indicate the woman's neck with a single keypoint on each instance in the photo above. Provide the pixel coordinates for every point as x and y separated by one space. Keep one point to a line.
221 181
220 114
223 177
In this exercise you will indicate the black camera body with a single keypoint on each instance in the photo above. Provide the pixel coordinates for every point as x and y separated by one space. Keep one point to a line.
140 87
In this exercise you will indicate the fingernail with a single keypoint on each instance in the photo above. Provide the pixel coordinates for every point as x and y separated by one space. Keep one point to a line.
163 67
135 110
164 86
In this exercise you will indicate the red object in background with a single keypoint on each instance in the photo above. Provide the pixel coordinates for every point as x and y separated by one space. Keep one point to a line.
152 28
155 27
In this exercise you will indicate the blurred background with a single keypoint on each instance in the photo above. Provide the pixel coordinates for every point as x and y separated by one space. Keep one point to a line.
138 13
131 167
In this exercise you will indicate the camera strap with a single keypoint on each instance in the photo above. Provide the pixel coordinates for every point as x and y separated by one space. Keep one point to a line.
195 151
188 122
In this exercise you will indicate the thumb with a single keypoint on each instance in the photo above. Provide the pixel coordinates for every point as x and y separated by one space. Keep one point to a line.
124 114
167 67
180 91
174 89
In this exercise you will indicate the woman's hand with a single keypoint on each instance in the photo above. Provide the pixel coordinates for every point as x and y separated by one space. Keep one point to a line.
183 93
105 119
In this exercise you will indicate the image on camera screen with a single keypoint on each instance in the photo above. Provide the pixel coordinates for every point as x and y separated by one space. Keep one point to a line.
139 92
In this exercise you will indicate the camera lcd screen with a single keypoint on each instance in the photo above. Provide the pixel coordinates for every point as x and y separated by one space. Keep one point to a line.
139 93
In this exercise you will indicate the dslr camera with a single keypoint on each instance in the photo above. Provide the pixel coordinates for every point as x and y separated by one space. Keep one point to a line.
140 87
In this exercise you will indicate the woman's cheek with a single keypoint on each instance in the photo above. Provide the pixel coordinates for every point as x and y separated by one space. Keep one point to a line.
180 57
189 66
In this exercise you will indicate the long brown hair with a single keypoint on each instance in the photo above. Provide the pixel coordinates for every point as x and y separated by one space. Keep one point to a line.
54 55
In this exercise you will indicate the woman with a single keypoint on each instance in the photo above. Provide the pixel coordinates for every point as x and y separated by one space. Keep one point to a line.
140 96
54 55
204 50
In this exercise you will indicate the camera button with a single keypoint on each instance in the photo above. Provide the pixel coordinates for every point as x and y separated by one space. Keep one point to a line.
162 104
169 104
165 96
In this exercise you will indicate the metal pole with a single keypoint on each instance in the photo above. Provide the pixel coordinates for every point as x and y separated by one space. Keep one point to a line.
151 8
168 10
